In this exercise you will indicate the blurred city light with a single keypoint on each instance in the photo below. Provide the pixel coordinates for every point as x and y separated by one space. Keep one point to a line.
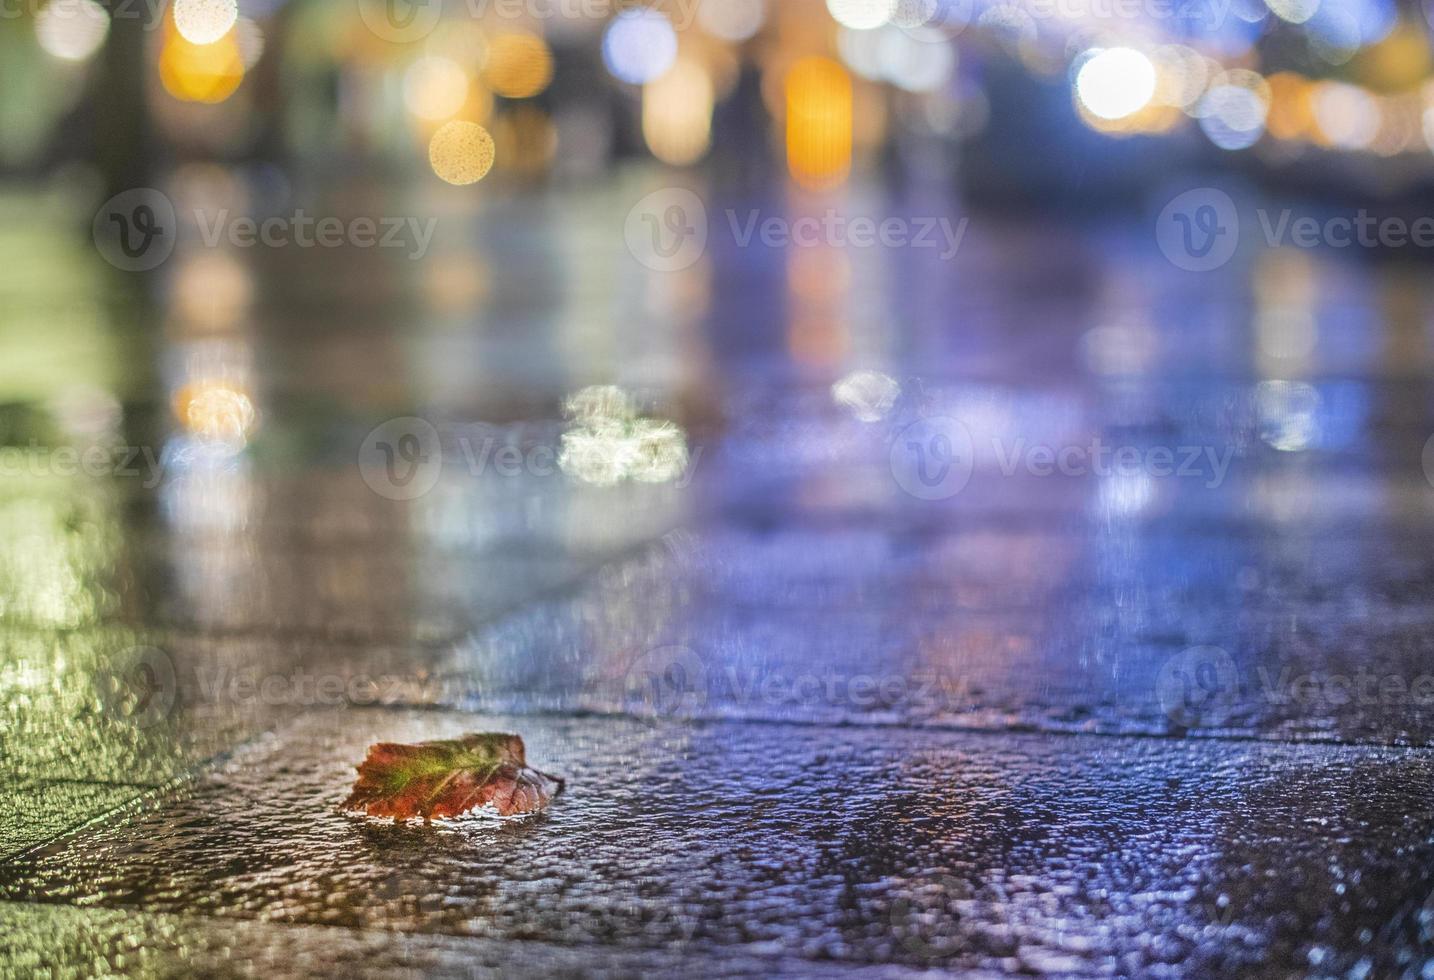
1116 82
205 21
72 29
640 45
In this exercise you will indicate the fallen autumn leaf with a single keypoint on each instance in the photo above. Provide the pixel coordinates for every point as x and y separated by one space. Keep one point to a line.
450 778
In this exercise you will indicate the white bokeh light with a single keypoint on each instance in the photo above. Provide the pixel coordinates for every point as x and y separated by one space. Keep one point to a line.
862 15
72 29
1293 11
1116 82
733 20
1233 116
640 46
205 21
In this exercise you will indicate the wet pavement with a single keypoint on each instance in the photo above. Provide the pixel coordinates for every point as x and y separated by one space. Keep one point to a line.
825 703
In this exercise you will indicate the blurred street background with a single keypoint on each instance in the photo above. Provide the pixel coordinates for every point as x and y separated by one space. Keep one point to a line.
948 482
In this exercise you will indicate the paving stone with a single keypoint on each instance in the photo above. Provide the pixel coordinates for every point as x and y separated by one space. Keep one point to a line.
64 942
1074 854
33 813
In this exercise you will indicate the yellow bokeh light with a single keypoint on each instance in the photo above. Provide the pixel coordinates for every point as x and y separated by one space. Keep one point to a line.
1400 61
819 122
201 72
216 411
1291 116
519 65
677 114
461 152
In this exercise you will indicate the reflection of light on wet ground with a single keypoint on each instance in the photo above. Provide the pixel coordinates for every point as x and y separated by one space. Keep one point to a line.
1120 349
1289 414
819 122
1003 358
1286 330
609 443
1125 494
868 395
217 412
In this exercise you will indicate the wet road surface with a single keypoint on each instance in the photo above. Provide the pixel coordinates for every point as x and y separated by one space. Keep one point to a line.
862 680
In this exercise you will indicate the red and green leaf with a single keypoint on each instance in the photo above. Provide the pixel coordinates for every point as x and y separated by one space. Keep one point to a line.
450 778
